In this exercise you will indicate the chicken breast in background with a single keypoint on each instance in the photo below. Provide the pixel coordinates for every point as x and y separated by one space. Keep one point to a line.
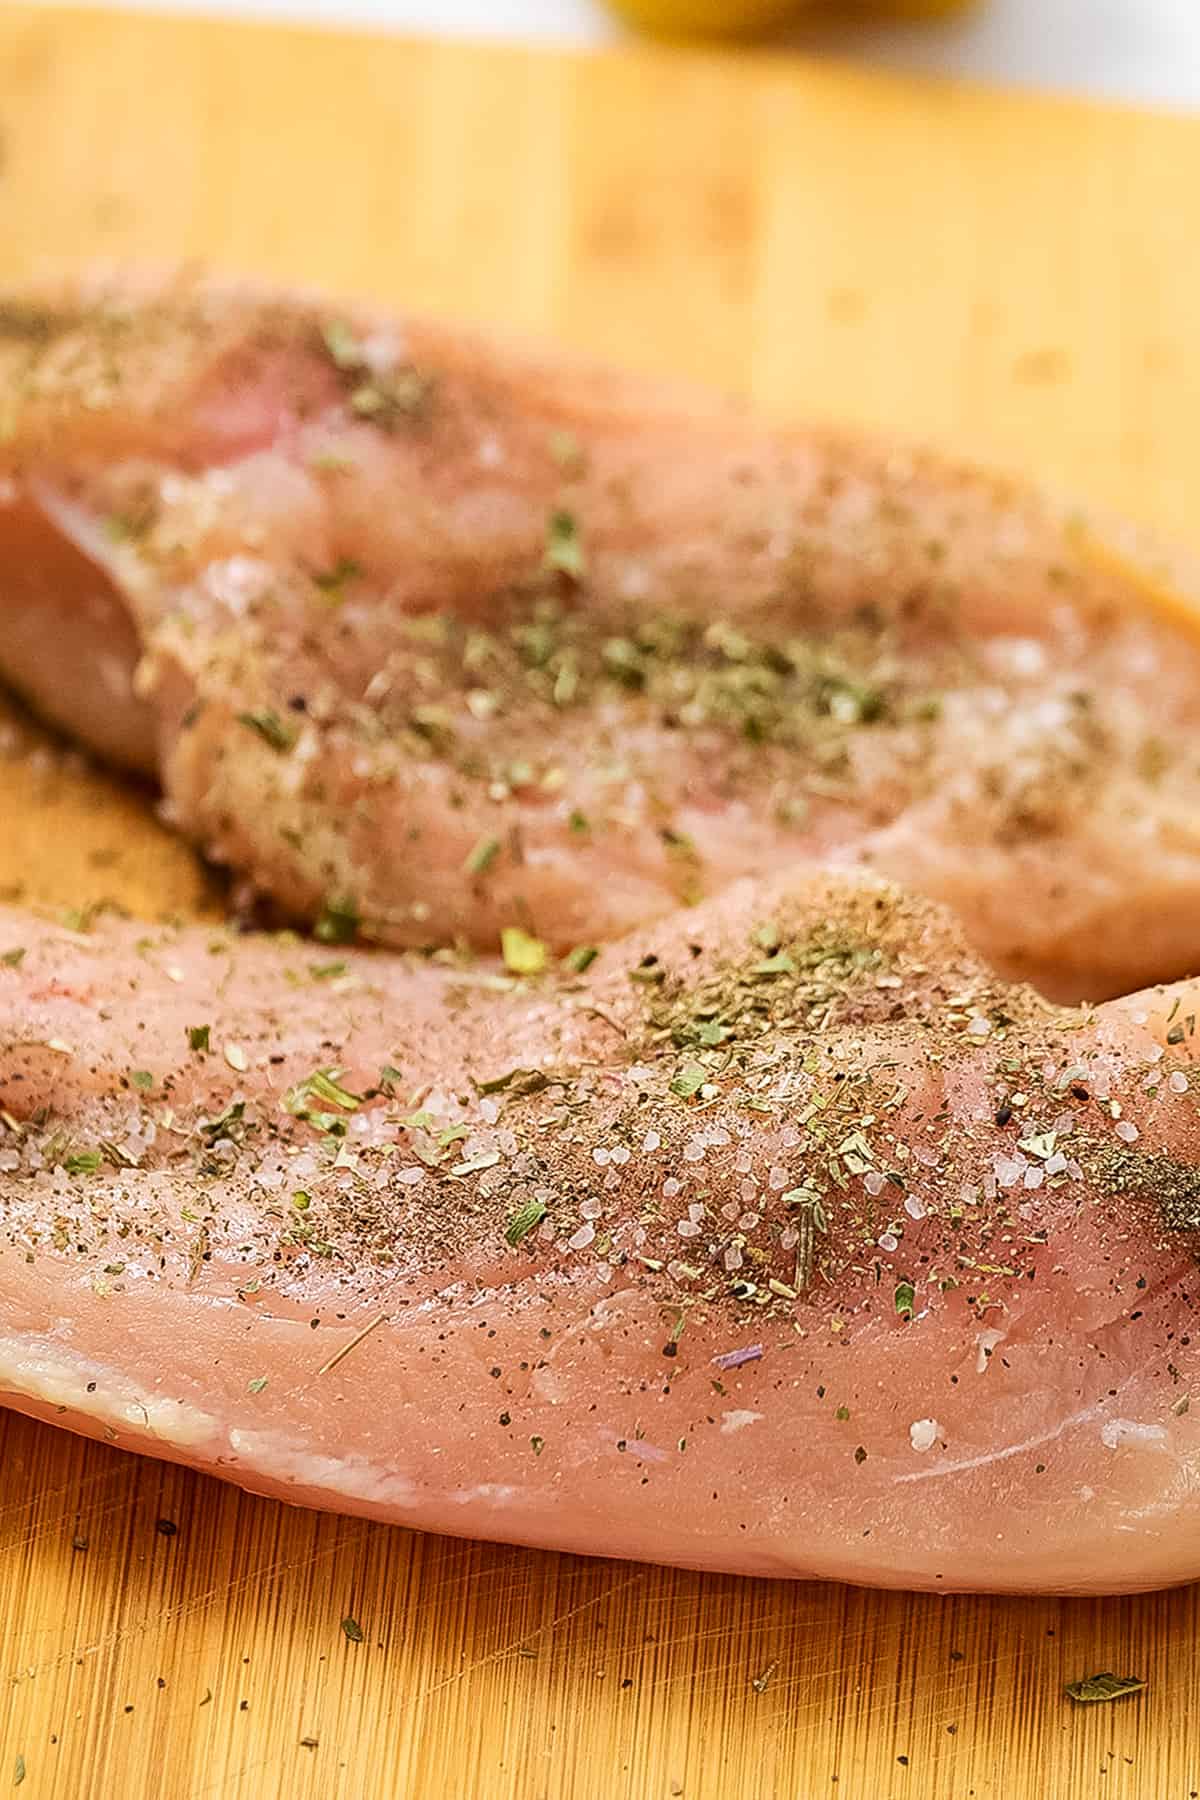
426 636
782 1239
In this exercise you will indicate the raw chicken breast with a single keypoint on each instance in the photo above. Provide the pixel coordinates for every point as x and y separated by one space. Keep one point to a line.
781 1239
426 636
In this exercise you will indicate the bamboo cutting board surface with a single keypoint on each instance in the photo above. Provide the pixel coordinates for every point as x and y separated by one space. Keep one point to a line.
1015 276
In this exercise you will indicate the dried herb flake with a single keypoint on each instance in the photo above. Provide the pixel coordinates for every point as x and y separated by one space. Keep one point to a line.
1107 1686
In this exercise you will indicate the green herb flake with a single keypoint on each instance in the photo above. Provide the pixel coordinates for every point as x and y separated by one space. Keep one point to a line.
342 345
199 1039
324 1086
141 1079
85 1163
522 1081
904 1298
328 971
780 964
12 959
711 1033
331 582
352 1629
481 858
80 918
225 1124
689 1081
257 1385
842 1414
523 954
270 727
18 1771
1095 1688
564 448
386 399
524 1221
580 958
337 922
564 551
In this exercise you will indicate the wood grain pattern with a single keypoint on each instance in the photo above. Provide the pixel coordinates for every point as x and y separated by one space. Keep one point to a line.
1017 277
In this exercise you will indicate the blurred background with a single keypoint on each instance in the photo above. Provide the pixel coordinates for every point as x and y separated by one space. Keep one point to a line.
1146 50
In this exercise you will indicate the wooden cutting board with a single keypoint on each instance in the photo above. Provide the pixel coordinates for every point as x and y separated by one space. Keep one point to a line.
1016 276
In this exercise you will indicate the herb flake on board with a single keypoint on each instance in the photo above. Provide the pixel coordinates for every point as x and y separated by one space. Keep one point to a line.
1095 1688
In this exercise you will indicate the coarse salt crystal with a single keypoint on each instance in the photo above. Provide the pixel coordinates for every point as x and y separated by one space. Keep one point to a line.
923 1434
235 1056
694 1152
696 1211
688 1228
915 1207
651 1141
874 1182
591 1209
600 1155
1178 1082
671 1187
408 1177
620 1155
888 1240
1127 1131
1054 1165
1034 1177
579 1240
1155 1053
777 1179
733 1258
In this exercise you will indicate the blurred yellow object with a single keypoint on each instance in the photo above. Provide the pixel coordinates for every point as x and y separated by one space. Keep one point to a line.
915 9
706 18
749 18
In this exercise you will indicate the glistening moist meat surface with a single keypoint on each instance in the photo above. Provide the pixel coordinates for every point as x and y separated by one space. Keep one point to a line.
782 1239
425 636
748 1213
